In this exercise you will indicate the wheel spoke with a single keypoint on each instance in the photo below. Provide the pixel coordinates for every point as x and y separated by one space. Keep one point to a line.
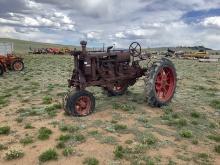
136 46
165 84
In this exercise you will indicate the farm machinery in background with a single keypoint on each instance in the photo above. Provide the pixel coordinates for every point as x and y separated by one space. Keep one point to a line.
8 60
199 54
58 51
114 71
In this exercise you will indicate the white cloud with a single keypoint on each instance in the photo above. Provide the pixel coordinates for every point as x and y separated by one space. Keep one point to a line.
151 22
120 35
212 21
93 35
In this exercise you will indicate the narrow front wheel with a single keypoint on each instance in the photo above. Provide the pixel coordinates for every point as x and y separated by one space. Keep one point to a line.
79 103
18 65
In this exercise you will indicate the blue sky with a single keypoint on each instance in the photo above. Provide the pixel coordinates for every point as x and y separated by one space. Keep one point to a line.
153 23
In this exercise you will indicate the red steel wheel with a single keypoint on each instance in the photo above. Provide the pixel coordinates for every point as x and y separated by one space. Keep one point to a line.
165 84
160 83
83 105
79 103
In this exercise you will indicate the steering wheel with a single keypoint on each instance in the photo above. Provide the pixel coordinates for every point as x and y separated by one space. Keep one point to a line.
135 49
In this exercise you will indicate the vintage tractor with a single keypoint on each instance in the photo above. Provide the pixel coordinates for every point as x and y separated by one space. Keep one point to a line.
12 62
115 71
2 65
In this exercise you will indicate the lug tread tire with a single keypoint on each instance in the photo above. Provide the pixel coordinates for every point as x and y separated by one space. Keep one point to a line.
70 99
150 82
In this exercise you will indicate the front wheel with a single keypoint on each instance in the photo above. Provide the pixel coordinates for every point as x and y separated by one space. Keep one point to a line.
17 65
160 83
79 103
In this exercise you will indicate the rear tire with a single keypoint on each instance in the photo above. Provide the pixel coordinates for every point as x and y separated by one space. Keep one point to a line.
1 70
79 103
117 89
18 65
160 83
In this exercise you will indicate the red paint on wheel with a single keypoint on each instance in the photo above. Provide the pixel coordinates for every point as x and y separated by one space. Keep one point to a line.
165 84
83 105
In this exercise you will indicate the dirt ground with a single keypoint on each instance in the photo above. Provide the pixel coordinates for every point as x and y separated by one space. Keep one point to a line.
185 132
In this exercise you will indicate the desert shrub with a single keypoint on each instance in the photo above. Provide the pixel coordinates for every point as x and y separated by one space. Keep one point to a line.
52 109
167 109
120 127
91 161
143 119
44 133
32 112
124 107
60 145
26 140
28 126
146 138
3 147
217 149
215 104
13 154
186 133
195 141
214 137
65 138
47 99
79 138
69 128
195 114
203 156
128 142
109 140
178 122
119 152
48 155
68 151
19 119
194 122
4 130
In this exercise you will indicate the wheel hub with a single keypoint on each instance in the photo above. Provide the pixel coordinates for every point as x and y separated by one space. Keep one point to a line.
83 105
165 84
17 66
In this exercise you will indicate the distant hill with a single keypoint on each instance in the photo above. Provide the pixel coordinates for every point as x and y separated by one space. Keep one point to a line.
181 48
22 46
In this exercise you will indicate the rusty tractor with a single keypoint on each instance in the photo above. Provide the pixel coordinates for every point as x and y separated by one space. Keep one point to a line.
115 71
12 62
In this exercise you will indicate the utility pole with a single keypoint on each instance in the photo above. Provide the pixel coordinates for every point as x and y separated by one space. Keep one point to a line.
103 47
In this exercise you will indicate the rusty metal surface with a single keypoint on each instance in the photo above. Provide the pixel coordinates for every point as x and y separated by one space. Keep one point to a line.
103 69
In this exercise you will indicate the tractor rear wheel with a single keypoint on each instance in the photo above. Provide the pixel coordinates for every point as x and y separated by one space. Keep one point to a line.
116 89
160 83
1 70
18 65
79 103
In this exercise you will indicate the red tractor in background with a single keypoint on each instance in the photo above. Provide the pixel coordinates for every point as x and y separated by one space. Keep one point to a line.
8 60
11 62
2 66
